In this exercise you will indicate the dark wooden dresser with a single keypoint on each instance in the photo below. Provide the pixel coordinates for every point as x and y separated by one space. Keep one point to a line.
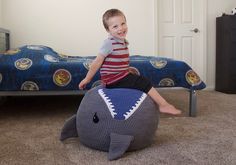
226 54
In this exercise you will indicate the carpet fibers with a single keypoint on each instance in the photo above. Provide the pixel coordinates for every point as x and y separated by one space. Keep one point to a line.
30 129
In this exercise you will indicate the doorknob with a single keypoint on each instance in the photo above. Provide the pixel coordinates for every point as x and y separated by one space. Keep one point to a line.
196 30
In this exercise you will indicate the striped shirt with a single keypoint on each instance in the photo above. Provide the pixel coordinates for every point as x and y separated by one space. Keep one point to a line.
116 63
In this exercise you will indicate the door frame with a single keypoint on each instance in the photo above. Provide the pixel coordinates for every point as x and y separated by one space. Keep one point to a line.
203 27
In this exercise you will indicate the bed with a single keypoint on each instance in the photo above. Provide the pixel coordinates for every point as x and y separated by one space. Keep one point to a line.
39 70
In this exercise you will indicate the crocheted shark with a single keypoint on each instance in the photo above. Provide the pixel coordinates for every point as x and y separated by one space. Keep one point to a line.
114 120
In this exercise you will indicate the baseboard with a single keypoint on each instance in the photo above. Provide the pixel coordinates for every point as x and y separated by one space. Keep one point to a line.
210 88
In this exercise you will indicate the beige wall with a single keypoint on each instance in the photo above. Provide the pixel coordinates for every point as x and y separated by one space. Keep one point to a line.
74 27
0 13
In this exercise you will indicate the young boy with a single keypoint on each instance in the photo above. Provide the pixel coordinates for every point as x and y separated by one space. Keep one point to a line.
113 62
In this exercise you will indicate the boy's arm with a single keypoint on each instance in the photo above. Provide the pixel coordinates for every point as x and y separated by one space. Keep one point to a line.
96 64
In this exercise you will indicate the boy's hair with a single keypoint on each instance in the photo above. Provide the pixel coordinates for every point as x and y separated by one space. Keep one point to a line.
111 13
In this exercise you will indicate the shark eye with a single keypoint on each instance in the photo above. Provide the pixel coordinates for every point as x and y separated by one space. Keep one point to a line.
95 118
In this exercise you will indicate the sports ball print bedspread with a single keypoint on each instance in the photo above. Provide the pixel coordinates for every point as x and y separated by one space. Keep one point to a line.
40 68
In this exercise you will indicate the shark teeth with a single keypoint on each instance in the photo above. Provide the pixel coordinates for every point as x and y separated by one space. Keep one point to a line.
135 107
108 102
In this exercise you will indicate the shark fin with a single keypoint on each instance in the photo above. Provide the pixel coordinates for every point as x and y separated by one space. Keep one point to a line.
118 145
69 129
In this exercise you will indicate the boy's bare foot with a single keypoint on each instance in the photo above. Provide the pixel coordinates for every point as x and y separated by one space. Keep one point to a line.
169 109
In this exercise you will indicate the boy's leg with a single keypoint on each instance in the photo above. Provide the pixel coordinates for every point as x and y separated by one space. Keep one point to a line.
143 84
133 81
164 106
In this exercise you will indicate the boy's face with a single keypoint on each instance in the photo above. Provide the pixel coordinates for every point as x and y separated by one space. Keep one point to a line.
117 27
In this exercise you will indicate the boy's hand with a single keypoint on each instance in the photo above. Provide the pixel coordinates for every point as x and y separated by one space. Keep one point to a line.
96 64
83 83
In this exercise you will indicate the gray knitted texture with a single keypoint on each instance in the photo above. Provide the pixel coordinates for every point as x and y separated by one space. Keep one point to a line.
96 127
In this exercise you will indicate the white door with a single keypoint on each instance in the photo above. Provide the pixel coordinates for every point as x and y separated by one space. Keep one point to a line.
182 32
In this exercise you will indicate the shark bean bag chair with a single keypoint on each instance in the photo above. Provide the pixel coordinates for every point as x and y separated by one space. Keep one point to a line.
114 120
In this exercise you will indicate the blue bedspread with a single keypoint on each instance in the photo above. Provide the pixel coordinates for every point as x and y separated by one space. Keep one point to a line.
35 67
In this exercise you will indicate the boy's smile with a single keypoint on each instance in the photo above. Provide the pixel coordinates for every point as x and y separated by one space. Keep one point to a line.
117 27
